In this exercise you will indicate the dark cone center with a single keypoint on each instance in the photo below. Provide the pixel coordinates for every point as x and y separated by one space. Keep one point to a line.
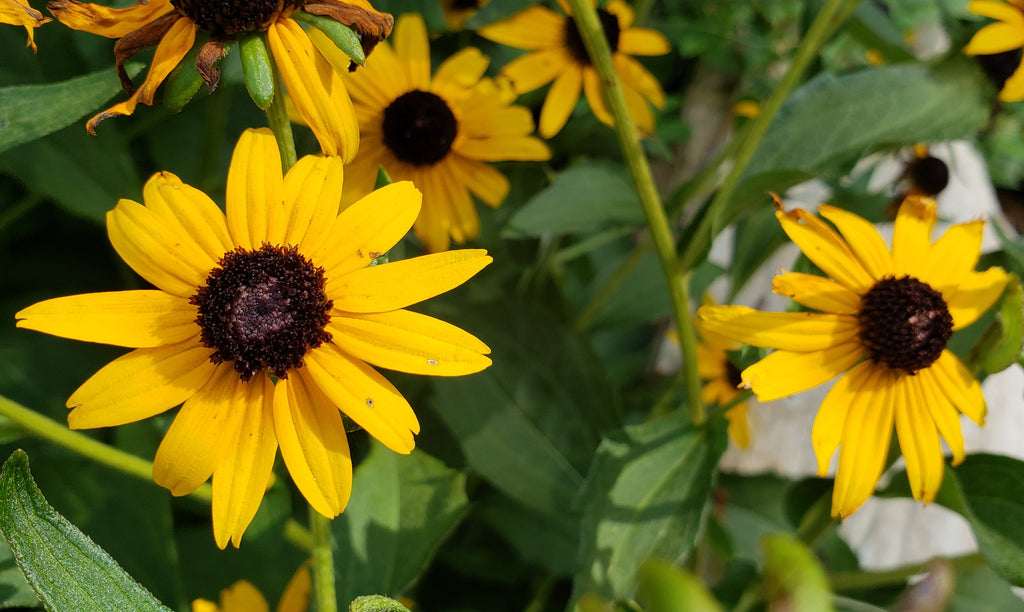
904 324
263 310
998 67
929 174
573 40
733 374
419 128
229 17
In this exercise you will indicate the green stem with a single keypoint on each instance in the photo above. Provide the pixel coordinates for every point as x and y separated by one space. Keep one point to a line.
52 431
859 581
820 31
281 125
323 562
594 40
12 214
816 521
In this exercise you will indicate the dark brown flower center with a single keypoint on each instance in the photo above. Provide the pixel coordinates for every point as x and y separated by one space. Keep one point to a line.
229 17
929 174
465 5
999 67
419 128
573 40
904 323
733 374
263 310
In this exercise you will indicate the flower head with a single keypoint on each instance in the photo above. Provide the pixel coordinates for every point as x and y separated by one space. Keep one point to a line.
18 12
242 596
262 323
438 131
722 381
558 55
995 38
886 317
174 26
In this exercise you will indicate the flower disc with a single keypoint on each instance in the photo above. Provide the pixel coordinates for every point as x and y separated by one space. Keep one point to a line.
904 323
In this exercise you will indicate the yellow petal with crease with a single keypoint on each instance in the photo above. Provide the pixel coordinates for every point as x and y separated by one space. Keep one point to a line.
535 70
997 10
255 191
975 294
865 445
298 591
191 211
413 50
919 442
825 249
830 422
791 331
996 38
133 319
537 27
312 194
953 257
143 383
784 373
104 21
817 292
956 382
911 237
241 596
862 238
560 101
399 284
942 412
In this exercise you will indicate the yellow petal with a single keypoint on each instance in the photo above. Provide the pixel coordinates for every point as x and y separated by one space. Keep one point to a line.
204 605
507 148
975 294
192 446
465 224
133 319
817 292
255 191
636 77
865 446
241 477
825 249
830 422
996 38
958 385
143 383
535 28
316 90
862 238
243 596
19 12
592 91
378 84
398 284
911 238
485 182
639 110
936 405
1013 89
368 228
159 252
622 12
434 223
409 342
791 331
953 257
312 195
104 21
560 101
739 426
784 373
313 443
413 50
919 442
189 210
535 69
463 69
297 592
642 41
364 396
996 10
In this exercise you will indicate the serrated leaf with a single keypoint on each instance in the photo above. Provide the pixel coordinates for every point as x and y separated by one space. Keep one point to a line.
65 568
646 495
402 508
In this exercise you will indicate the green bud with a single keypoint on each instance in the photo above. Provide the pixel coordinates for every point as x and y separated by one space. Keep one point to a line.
340 34
375 603
257 69
793 577
663 587
183 82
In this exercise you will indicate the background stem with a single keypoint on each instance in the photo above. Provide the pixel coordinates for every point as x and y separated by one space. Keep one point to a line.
323 562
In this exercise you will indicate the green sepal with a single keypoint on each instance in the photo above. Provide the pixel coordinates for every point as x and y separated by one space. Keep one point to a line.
257 69
376 603
340 34
184 81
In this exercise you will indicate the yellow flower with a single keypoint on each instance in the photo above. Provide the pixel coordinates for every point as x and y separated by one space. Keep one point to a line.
18 12
558 55
280 292
1006 35
886 318
244 597
722 380
439 132
457 12
172 25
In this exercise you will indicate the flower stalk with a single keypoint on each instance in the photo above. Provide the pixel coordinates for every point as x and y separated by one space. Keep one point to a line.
280 124
600 53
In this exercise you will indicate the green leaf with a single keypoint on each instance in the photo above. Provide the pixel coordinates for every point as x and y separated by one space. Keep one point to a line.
981 589
646 495
546 539
585 197
14 590
65 568
402 508
663 587
1000 346
28 112
794 579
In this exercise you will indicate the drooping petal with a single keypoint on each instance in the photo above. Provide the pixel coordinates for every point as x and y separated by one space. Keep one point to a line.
911 237
946 418
312 195
413 49
364 396
784 373
830 422
297 593
817 292
104 21
158 251
255 190
592 91
143 383
313 443
825 249
409 342
535 28
401 283
535 69
133 319
862 238
791 331
919 441
957 384
190 210
865 446
368 228
241 477
560 101
192 447
19 12
975 294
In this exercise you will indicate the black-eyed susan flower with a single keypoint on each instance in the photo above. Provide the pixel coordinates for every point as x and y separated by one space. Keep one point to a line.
175 26
722 381
885 320
19 13
995 38
557 54
457 12
244 597
262 322
438 131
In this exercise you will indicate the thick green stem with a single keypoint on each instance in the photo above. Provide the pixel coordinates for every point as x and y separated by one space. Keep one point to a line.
818 34
592 33
281 125
323 562
859 581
